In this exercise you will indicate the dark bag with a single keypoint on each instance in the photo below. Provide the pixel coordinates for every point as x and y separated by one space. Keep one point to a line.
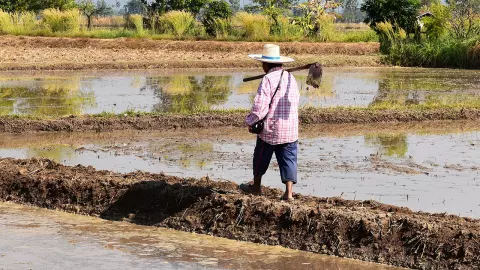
258 127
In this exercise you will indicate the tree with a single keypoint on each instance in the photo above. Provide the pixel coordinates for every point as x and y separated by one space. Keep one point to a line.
400 13
103 9
35 5
135 7
350 9
465 18
235 5
14 5
88 8
217 9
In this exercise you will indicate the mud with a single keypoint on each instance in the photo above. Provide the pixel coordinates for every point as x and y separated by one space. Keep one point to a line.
365 230
47 53
39 238
211 120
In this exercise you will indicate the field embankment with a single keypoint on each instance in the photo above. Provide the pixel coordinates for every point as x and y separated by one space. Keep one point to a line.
215 119
365 230
51 53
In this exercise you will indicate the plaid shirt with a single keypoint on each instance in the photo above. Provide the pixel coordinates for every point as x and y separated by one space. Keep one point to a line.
281 125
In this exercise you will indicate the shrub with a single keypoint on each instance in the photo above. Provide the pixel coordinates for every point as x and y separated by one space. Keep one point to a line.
436 25
178 23
17 22
252 26
6 23
134 22
287 30
223 28
326 28
61 21
401 13
217 9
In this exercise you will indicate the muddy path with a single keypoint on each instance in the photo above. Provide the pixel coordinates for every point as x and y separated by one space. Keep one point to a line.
49 53
364 230
227 119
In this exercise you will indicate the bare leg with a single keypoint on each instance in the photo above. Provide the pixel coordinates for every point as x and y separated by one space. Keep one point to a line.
288 190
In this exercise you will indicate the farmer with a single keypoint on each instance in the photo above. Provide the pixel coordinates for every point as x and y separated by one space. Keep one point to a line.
276 103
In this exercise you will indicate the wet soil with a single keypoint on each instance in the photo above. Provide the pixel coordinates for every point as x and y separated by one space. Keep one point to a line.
365 230
47 53
227 119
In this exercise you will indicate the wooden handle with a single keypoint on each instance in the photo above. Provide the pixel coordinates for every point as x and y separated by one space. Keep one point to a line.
288 69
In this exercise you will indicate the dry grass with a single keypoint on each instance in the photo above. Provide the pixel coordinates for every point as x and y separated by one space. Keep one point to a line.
109 22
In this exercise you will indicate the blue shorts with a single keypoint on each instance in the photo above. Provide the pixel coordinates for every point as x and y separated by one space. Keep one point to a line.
286 155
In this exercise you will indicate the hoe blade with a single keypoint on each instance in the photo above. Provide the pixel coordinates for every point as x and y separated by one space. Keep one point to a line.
315 73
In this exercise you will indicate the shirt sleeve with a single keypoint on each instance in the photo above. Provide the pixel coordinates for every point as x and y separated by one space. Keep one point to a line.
260 103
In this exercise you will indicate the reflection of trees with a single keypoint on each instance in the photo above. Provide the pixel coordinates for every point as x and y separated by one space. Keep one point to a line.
53 98
189 93
57 153
403 89
390 145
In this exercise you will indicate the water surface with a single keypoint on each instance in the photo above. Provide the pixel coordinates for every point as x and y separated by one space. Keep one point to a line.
34 238
92 92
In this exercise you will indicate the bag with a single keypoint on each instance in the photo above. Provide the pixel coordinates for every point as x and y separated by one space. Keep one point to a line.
258 126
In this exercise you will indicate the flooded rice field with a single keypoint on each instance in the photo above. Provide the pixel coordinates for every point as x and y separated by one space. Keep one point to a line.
432 167
34 238
92 92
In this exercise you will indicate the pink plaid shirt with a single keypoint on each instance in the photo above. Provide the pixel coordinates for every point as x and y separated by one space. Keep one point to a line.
281 125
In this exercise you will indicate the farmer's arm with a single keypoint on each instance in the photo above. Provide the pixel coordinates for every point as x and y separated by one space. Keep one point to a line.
260 104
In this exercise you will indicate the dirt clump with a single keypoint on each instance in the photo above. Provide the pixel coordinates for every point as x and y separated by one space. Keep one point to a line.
365 230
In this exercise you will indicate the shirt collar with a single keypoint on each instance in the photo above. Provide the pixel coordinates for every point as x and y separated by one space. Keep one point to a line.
275 69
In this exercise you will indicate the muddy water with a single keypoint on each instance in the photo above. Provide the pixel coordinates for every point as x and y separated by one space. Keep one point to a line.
64 93
34 238
429 167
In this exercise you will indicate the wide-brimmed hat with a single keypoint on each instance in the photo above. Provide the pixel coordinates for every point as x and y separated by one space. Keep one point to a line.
271 54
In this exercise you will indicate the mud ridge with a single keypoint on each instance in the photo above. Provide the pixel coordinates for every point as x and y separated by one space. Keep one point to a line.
366 230
229 119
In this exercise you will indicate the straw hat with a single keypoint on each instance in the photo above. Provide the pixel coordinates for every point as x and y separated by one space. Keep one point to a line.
271 54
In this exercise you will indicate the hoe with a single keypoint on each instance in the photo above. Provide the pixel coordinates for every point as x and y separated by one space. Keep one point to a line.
314 77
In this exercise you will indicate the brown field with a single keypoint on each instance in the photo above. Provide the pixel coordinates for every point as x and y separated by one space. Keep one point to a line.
46 53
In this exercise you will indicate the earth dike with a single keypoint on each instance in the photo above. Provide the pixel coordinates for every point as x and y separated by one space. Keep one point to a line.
364 230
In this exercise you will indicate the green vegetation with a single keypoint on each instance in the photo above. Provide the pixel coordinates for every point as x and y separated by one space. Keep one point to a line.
450 37
264 20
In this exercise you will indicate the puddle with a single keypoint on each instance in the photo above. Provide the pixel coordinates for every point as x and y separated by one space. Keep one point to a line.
429 168
65 93
38 238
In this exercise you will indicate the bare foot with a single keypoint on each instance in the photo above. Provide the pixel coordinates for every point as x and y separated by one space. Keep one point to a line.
251 189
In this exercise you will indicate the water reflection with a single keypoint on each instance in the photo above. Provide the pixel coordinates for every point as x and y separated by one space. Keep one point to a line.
389 144
182 94
191 91
50 99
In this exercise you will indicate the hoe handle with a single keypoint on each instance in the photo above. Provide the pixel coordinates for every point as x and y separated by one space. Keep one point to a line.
289 70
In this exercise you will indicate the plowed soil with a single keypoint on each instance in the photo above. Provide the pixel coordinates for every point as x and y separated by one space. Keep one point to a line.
364 230
227 119
47 53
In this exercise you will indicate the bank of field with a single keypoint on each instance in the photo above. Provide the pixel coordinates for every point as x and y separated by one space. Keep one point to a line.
365 230
50 53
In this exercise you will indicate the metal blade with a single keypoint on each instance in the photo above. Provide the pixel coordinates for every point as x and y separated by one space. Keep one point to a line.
315 73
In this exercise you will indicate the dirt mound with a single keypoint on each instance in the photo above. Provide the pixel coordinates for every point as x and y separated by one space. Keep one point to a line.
230 119
366 230
190 46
